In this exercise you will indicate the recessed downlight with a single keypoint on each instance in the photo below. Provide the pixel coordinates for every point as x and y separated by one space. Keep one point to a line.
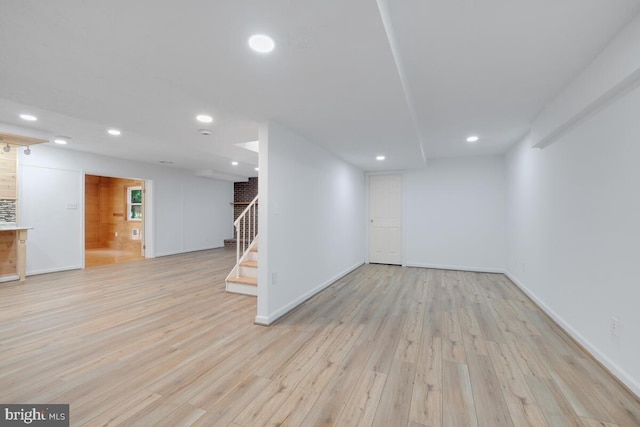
256 169
473 138
234 163
204 118
62 140
261 43
28 117
114 132
380 158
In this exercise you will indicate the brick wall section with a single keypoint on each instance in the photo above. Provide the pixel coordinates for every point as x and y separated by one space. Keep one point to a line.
243 192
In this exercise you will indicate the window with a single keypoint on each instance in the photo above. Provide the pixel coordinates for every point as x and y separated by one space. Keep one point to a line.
134 203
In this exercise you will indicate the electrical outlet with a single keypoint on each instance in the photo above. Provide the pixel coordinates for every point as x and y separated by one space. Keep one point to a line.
615 327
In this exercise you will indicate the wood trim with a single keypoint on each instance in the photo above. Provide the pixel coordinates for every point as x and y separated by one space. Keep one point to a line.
11 139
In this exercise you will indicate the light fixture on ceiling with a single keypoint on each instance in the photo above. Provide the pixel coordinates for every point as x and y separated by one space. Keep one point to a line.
114 132
205 132
204 118
7 148
472 138
256 169
261 43
28 117
234 163
380 158
27 150
61 140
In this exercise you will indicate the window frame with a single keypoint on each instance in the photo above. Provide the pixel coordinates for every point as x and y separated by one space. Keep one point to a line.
130 203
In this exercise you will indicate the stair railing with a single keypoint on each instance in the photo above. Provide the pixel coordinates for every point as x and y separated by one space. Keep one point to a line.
246 230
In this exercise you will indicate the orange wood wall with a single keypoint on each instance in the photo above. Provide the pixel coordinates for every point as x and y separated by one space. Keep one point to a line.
92 221
8 253
8 166
106 214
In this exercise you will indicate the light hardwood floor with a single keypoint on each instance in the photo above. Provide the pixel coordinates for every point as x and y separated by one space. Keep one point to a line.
159 343
99 257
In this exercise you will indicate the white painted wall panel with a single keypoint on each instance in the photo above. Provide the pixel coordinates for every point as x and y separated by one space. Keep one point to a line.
454 214
314 206
190 212
47 198
574 228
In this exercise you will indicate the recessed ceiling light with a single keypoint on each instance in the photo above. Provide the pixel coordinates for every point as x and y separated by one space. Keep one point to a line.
204 118
234 163
257 169
62 140
261 43
28 117
114 132
472 138
380 158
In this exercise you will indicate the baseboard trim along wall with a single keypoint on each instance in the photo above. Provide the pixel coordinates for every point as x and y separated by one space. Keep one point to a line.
268 320
457 268
53 270
170 253
613 369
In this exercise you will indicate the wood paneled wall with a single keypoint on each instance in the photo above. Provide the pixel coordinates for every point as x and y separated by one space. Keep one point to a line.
8 253
8 190
8 166
92 219
106 214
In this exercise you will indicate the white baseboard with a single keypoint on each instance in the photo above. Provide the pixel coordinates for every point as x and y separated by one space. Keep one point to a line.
53 270
267 320
457 267
161 254
613 368
262 320
9 278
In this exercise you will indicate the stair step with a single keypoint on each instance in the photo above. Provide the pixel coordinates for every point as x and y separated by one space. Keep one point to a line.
254 249
245 280
249 263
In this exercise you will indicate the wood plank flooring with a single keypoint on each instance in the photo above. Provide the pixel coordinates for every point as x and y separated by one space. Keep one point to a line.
100 257
159 343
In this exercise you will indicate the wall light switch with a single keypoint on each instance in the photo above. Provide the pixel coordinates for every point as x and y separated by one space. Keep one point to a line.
72 205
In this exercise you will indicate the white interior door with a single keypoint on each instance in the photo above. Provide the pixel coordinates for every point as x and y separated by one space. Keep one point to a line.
385 219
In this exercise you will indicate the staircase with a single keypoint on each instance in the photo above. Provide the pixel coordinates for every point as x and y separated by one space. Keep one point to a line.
243 278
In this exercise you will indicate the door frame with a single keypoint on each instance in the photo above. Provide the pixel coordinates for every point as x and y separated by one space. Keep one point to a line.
148 222
367 206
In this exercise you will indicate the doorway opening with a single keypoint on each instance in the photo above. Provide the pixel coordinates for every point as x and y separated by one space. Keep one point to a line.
114 220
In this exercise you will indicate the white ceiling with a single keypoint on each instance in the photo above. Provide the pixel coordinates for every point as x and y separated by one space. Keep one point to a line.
410 79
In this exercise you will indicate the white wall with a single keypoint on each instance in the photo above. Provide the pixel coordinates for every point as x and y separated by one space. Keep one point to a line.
454 214
612 72
190 213
311 220
574 231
